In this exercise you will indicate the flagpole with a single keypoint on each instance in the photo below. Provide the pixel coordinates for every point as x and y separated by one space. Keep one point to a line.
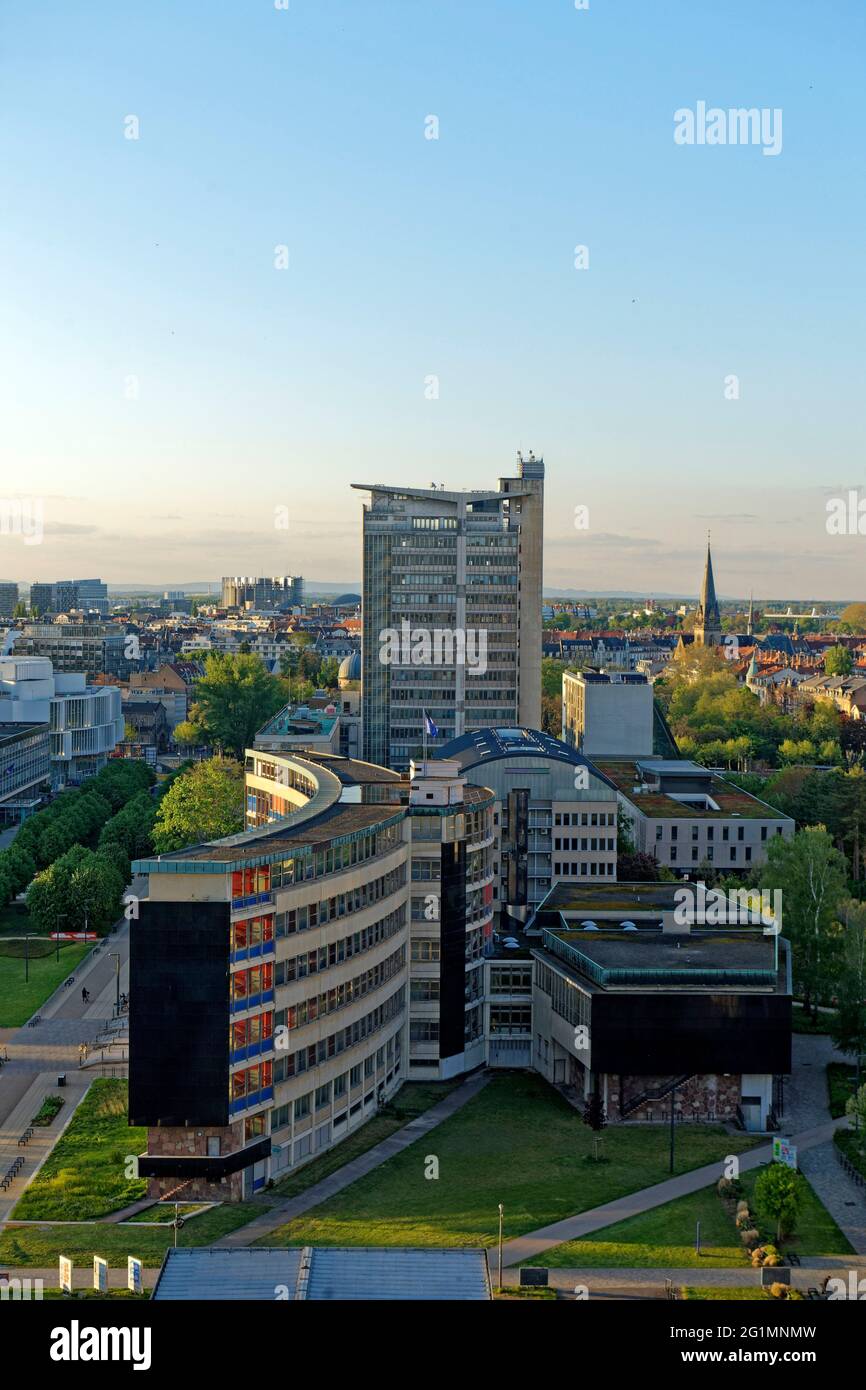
424 740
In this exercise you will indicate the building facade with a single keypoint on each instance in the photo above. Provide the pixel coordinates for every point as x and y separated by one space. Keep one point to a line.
25 770
85 721
452 911
8 600
555 814
451 612
607 714
270 979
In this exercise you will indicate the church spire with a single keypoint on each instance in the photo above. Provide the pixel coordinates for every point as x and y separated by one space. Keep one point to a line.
750 621
708 620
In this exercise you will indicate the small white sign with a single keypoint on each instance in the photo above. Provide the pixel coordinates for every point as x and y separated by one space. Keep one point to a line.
785 1152
100 1274
133 1274
65 1274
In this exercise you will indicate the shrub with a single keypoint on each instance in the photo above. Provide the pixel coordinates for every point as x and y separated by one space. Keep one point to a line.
750 1237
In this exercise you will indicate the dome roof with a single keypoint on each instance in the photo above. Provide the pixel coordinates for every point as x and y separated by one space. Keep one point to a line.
350 667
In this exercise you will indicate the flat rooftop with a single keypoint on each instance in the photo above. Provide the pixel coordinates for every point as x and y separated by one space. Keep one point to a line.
654 960
626 774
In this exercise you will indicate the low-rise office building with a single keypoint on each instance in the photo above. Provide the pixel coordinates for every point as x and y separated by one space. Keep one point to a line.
85 721
685 816
636 1003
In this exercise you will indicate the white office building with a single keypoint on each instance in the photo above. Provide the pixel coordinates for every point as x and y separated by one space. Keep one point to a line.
86 721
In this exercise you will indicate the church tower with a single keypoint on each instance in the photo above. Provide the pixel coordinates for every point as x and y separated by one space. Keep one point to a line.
708 619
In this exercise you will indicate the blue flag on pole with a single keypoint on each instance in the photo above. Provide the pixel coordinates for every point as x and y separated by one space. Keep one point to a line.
430 727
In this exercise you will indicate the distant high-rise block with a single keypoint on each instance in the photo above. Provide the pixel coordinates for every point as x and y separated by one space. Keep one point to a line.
452 612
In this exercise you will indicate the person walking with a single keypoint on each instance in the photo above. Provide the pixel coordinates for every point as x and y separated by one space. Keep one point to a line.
85 995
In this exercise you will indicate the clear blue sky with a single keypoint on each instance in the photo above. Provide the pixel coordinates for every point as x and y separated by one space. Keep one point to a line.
259 388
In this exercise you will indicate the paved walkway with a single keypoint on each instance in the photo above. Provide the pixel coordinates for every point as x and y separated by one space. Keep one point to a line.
358 1167
535 1243
37 1055
650 1283
806 1098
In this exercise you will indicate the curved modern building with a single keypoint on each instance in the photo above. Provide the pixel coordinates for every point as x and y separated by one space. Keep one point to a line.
270 979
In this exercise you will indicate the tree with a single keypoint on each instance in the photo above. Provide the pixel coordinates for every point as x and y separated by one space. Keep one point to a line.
234 698
187 734
848 1025
637 868
594 1113
204 803
811 875
82 888
853 618
838 661
855 1106
778 1194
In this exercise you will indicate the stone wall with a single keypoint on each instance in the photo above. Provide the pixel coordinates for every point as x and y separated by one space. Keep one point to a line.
700 1099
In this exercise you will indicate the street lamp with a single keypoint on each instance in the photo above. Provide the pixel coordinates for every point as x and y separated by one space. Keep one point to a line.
116 955
501 1214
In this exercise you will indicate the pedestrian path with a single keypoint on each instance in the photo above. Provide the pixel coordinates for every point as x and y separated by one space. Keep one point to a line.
43 1139
650 1283
535 1243
358 1167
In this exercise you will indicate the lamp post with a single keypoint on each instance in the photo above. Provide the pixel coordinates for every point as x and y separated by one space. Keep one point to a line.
27 958
116 956
673 1127
501 1214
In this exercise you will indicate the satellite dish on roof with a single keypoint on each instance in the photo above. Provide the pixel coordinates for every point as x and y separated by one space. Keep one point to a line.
589 926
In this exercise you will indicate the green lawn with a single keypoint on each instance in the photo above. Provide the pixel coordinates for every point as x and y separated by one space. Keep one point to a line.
83 1177
19 1000
741 1295
840 1085
665 1236
413 1098
41 1245
517 1142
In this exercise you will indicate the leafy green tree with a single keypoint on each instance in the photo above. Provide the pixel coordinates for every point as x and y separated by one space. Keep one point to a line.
778 1195
855 1106
80 888
810 872
188 734
838 661
853 619
848 1025
205 803
234 698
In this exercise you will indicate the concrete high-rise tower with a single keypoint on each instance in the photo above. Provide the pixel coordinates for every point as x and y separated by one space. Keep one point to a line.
452 612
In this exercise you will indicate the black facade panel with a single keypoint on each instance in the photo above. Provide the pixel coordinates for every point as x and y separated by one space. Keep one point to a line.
179 1014
677 1034
177 1166
518 836
452 959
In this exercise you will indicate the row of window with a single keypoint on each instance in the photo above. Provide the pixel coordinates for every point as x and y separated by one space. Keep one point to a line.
584 818
341 905
295 1063
567 999
299 1015
583 843
313 962
585 869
